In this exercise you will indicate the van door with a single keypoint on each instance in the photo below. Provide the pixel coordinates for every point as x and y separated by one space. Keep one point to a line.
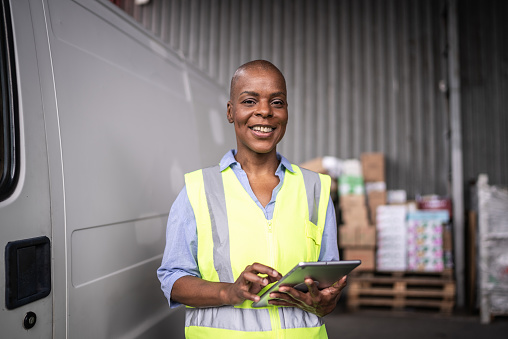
25 227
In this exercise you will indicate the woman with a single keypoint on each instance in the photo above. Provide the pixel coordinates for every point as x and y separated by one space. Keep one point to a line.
236 227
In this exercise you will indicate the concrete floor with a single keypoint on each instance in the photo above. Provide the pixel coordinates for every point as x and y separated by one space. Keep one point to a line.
382 324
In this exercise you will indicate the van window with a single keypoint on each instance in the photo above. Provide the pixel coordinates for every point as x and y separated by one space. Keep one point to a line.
9 134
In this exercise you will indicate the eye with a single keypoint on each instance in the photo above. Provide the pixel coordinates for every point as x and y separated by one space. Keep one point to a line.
249 102
278 103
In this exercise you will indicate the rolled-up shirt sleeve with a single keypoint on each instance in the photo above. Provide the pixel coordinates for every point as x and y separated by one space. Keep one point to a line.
329 247
180 253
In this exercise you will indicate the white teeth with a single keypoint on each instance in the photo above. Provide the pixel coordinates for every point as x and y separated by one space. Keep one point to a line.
262 129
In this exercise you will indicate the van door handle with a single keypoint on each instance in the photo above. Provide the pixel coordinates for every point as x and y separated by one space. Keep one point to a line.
27 271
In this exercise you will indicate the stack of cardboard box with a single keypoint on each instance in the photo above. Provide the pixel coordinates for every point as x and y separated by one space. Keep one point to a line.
373 168
357 237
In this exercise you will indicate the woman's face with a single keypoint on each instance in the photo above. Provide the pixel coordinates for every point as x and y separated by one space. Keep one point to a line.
258 110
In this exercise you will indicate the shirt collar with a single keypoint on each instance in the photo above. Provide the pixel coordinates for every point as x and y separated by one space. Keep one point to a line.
229 160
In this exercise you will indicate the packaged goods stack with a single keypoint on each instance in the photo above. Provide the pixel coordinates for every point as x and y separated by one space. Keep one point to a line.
409 263
356 237
409 248
443 204
425 240
391 238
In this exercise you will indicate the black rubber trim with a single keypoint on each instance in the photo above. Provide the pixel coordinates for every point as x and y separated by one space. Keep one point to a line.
9 111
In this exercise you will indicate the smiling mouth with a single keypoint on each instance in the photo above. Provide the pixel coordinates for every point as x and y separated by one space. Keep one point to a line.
264 129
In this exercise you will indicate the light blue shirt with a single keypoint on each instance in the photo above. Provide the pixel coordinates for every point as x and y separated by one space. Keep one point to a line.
180 254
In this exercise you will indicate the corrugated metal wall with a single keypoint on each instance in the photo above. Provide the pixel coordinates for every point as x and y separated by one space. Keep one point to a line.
484 88
363 75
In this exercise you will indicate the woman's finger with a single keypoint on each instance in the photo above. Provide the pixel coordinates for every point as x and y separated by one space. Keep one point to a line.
312 286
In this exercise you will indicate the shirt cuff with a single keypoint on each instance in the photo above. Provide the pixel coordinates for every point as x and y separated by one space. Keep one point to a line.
169 286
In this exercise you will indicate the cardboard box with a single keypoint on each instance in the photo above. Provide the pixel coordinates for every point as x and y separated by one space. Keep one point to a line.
352 200
347 236
315 165
365 254
356 216
352 235
354 210
373 166
375 199
366 236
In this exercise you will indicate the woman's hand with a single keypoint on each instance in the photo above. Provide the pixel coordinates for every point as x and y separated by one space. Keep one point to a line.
248 284
319 302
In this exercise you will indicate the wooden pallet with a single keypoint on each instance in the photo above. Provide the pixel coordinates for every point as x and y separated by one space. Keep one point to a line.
445 274
401 291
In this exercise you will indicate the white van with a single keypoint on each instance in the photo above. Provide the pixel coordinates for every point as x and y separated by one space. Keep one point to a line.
99 122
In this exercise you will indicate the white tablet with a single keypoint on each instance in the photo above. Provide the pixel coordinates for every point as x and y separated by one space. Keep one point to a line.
325 273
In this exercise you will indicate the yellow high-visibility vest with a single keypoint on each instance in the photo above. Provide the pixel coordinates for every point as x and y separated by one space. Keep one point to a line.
233 233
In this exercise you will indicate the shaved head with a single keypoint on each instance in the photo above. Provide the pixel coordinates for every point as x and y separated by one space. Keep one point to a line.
261 65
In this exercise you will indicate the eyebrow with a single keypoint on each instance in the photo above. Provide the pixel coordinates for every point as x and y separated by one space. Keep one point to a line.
256 94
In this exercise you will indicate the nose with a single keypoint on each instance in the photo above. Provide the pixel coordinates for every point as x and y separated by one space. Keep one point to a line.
264 109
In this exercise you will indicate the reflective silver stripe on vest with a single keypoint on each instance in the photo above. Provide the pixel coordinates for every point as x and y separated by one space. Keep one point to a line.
216 200
313 189
292 317
229 318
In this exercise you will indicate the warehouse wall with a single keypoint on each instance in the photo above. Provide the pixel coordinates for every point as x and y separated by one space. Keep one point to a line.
363 75
484 88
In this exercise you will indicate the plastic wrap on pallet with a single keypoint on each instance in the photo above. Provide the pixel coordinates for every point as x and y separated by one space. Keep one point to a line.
496 271
496 209
499 303
494 237
493 248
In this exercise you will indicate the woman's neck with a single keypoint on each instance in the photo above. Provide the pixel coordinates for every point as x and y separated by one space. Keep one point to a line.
258 163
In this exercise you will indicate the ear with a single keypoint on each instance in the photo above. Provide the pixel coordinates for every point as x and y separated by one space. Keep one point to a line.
230 112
